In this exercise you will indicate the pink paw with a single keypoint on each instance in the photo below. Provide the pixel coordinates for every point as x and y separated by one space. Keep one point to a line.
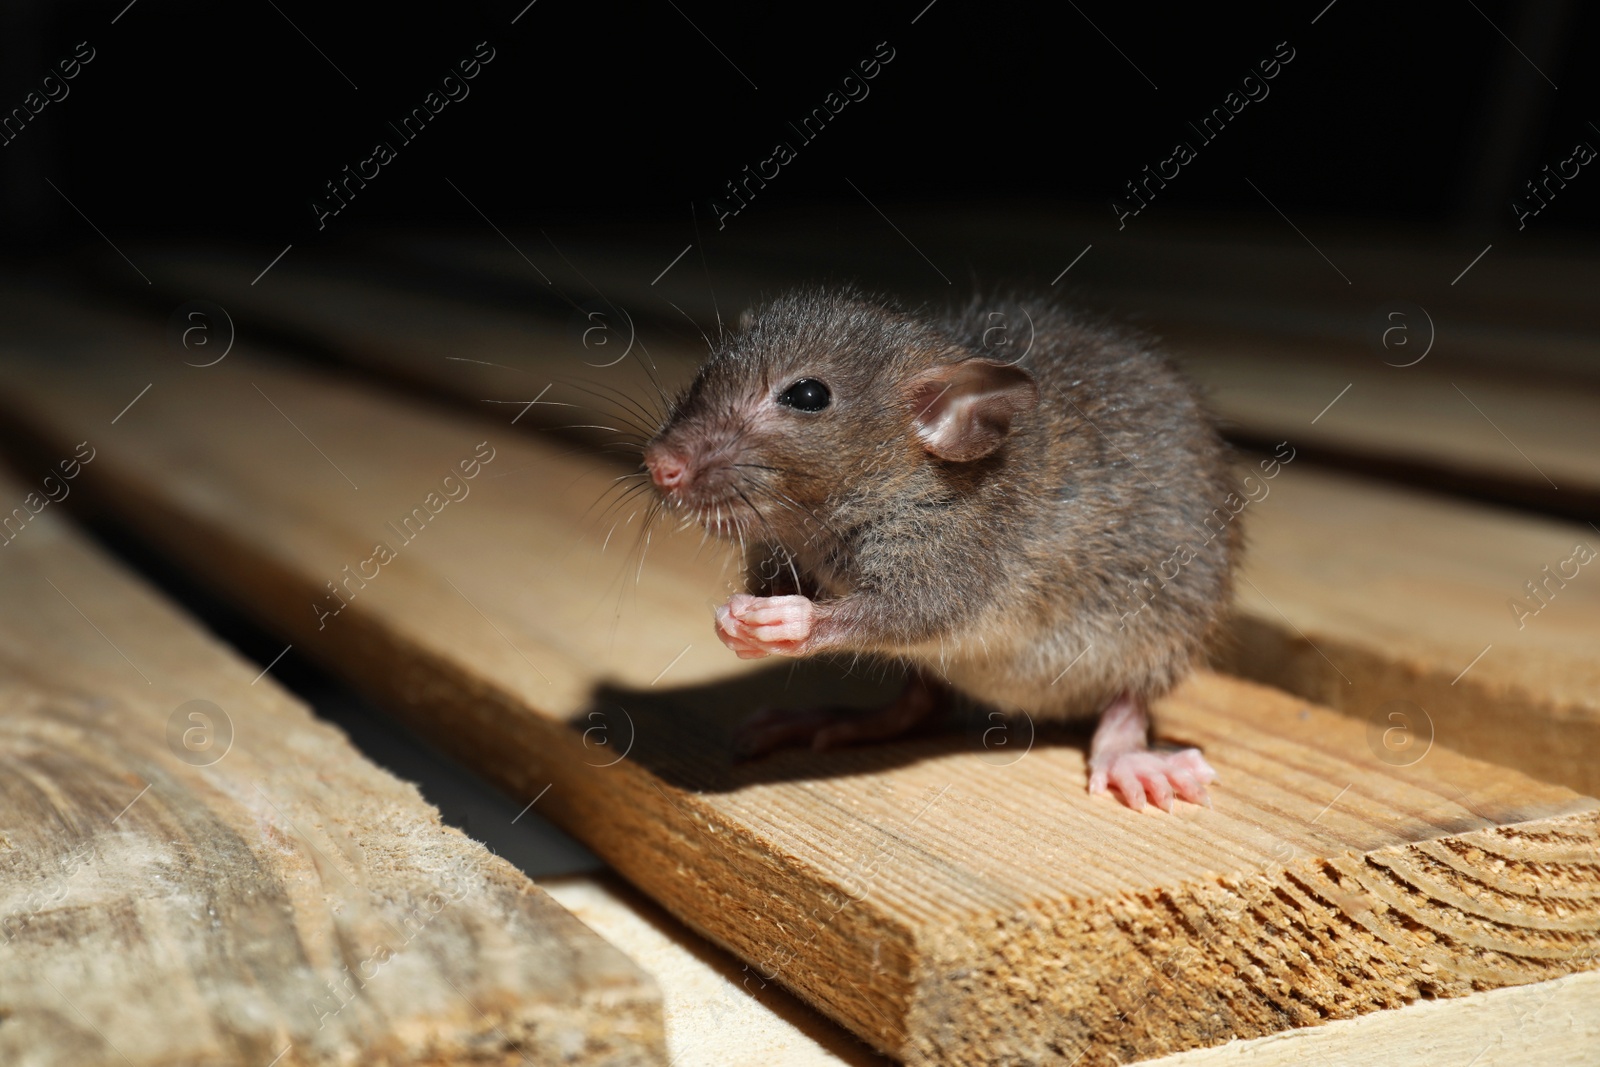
756 626
1158 776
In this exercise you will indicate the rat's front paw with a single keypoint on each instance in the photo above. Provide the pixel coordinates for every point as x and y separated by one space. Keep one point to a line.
1158 776
756 626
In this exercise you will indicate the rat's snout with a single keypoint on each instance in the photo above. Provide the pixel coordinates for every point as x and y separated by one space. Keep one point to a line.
668 469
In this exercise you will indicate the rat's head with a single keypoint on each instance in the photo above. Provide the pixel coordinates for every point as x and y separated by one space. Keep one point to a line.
822 400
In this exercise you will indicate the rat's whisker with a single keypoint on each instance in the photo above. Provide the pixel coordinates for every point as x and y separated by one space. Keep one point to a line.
649 531
786 501
486 363
631 407
620 580
709 346
629 490
775 499
624 434
776 542
694 217
649 365
623 495
613 530
630 447
586 426
541 403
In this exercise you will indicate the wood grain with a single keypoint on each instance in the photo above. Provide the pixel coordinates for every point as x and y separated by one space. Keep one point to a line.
943 898
193 870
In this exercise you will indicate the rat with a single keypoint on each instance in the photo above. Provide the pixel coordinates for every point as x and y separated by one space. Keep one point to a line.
1019 531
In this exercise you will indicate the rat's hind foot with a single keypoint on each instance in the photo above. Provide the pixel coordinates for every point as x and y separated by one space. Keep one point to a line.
1156 776
1120 757
824 728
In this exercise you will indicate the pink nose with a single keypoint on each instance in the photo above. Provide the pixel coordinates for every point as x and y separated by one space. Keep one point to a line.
666 470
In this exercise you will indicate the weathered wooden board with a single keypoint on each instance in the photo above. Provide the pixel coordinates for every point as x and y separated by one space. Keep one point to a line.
193 870
950 902
1358 594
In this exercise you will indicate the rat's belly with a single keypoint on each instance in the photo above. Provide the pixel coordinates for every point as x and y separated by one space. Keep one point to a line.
1081 691
1053 674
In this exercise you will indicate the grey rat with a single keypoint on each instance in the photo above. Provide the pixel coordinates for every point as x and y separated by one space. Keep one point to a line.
1003 517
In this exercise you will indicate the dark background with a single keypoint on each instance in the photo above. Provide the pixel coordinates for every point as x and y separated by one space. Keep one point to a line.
225 121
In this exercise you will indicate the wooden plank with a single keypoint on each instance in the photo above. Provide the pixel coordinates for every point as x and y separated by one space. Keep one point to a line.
1359 596
1471 558
194 870
1440 425
712 1018
944 906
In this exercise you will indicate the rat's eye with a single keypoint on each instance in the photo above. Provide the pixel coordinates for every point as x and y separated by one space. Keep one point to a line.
807 394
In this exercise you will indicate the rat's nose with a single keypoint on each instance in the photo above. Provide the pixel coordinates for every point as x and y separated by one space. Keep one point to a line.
667 470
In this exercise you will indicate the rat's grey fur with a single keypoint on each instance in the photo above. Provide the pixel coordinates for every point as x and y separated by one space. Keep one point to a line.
998 574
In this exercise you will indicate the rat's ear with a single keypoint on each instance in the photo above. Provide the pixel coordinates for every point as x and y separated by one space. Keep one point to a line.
964 410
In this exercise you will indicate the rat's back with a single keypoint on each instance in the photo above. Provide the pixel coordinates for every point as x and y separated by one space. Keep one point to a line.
1124 577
